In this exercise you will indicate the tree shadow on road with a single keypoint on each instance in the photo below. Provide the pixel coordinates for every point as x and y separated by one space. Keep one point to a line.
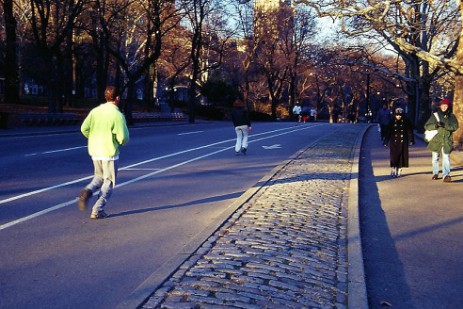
189 203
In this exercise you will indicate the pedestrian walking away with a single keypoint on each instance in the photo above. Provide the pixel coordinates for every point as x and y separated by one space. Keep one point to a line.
242 123
297 112
441 144
106 129
313 114
384 117
398 136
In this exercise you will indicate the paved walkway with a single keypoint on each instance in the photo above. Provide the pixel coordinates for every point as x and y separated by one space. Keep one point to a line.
412 230
287 246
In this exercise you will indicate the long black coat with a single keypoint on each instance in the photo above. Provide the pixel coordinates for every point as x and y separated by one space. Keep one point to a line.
399 134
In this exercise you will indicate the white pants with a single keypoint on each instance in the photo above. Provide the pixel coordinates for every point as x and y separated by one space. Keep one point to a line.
241 137
104 180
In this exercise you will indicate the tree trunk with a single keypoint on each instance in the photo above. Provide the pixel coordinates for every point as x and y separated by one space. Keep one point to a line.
292 92
192 98
195 56
172 94
129 103
424 103
458 92
54 93
69 74
148 94
458 112
11 70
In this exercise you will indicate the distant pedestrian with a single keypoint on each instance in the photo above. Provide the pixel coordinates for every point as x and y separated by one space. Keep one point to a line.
313 114
352 115
398 136
441 145
242 124
297 112
384 117
106 129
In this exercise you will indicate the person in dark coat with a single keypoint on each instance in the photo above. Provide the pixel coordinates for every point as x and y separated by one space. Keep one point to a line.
399 135
384 117
242 124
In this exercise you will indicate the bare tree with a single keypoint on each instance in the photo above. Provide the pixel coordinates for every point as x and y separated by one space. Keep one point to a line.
275 54
162 19
134 31
51 22
298 50
246 47
196 12
11 64
423 32
209 36
174 61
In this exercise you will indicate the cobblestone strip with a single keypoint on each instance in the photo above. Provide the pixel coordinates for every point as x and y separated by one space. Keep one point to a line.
285 248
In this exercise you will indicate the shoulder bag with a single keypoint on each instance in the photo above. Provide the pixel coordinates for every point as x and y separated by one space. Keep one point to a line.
429 134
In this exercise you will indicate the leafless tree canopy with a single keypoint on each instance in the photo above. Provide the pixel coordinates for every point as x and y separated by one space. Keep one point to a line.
166 52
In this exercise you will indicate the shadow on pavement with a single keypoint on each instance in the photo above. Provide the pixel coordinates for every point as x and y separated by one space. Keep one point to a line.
385 278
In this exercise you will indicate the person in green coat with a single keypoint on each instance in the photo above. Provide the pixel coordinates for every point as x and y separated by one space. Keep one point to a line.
442 144
106 129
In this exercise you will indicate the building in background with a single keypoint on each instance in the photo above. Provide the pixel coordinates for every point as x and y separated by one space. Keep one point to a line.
272 18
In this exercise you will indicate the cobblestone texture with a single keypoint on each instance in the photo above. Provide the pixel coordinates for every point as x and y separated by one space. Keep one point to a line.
285 248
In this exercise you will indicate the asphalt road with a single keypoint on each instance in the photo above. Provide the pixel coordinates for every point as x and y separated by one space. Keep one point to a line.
174 183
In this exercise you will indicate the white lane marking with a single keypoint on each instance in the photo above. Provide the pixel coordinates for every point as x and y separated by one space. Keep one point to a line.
188 133
150 160
274 146
37 214
155 159
213 145
142 169
17 197
53 151
71 202
63 150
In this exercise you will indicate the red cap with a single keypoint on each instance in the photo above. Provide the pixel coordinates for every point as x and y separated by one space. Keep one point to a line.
445 102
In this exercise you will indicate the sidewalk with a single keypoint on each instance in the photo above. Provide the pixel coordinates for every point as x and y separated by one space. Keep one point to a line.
293 243
412 230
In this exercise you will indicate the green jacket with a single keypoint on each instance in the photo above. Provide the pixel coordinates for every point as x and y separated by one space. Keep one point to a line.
443 138
106 129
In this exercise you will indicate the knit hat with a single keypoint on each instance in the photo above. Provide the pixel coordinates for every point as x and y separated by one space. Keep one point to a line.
399 110
445 101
